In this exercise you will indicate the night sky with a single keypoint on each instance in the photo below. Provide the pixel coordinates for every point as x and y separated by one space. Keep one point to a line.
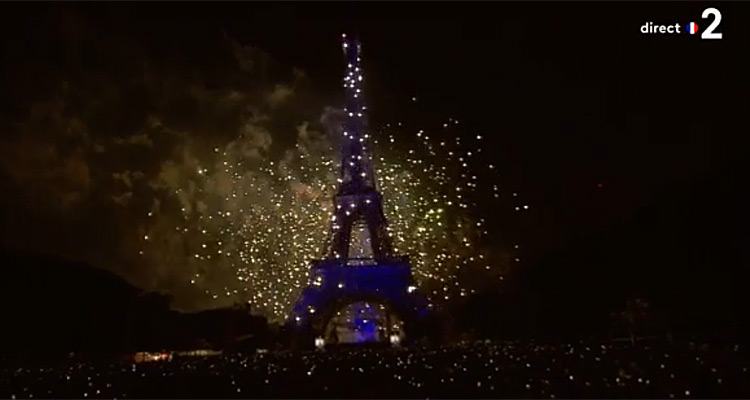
586 119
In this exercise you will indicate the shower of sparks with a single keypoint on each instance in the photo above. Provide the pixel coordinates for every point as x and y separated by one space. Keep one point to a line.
263 222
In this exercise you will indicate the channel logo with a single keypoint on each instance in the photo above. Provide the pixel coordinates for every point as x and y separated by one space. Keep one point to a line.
691 28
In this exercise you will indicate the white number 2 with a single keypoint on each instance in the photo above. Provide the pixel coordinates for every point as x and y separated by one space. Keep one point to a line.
709 32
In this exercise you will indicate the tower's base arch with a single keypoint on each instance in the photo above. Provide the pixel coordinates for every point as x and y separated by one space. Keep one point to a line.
383 292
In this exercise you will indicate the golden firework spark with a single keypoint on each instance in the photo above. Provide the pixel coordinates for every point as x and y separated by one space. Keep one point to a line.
262 221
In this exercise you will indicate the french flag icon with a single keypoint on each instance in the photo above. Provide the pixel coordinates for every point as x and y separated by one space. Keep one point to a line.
692 28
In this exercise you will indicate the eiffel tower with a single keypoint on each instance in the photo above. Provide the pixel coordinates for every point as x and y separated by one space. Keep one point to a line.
360 266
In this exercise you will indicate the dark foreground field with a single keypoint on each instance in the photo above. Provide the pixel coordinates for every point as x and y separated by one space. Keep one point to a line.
470 370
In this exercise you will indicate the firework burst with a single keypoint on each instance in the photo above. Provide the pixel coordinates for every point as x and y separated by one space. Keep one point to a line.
251 224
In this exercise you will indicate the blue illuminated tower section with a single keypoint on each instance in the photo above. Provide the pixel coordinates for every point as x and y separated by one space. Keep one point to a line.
358 226
359 265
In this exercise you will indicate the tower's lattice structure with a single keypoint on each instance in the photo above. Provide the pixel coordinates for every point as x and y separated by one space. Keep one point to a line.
360 263
358 226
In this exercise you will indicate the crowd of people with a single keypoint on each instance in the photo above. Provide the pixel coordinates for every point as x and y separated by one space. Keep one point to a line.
467 370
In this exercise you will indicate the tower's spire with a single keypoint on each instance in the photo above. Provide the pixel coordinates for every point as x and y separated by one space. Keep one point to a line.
356 168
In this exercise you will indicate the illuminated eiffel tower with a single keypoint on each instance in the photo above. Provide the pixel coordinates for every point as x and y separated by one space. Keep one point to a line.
360 266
